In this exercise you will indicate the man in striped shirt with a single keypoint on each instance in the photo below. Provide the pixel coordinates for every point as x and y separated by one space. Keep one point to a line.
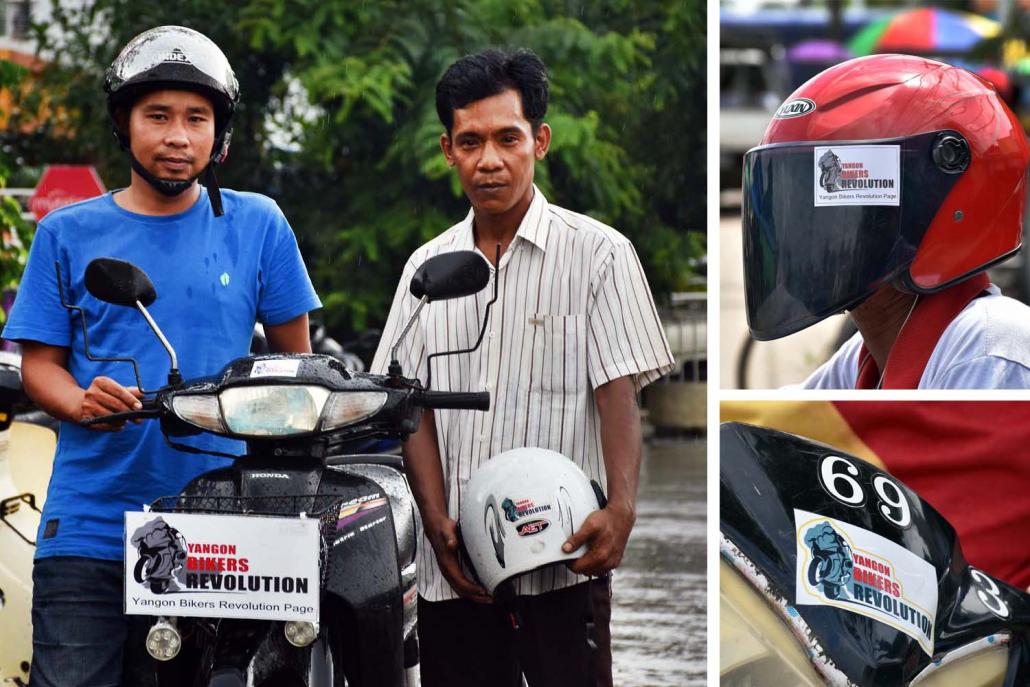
572 338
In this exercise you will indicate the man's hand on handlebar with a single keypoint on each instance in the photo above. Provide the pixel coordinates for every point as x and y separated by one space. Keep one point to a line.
106 396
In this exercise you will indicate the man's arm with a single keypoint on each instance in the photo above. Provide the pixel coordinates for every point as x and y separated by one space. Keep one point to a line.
49 384
293 336
425 475
606 531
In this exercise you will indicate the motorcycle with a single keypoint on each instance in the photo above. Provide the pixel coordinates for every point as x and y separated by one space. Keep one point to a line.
298 415
833 572
27 437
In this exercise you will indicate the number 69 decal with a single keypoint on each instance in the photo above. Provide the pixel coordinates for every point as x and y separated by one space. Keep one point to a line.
837 476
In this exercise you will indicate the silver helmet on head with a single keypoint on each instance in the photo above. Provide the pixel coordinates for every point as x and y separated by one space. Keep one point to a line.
174 58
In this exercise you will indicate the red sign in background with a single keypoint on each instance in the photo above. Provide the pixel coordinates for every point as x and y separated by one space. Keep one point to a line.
63 185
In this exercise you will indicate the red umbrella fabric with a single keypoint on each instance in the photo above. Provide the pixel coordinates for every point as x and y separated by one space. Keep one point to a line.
924 30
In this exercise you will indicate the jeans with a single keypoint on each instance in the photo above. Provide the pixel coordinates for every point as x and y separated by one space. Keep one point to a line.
80 637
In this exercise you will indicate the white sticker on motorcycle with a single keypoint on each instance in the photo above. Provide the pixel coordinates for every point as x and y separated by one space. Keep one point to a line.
221 566
859 571
275 368
857 175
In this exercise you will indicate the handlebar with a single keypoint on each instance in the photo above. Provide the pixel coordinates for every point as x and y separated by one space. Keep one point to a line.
455 400
150 409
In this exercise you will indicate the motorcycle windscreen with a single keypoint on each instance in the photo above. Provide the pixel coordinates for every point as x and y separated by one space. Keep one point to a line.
826 224
810 518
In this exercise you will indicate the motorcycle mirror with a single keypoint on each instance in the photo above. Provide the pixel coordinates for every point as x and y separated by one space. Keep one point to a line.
119 282
122 283
450 275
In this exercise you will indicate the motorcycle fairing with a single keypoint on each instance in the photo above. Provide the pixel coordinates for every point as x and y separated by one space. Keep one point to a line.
765 475
362 580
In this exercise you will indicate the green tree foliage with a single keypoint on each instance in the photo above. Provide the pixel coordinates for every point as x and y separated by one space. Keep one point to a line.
338 121
15 232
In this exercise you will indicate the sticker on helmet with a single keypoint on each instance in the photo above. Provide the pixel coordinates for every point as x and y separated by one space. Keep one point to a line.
798 107
859 571
857 175
517 509
532 527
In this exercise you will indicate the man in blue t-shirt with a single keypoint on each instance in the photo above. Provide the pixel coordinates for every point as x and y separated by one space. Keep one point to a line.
219 261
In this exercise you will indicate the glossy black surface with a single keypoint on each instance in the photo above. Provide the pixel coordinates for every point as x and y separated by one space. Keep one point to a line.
119 282
450 275
764 475
362 583
803 263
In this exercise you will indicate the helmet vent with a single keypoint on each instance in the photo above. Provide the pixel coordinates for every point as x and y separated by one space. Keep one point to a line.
951 153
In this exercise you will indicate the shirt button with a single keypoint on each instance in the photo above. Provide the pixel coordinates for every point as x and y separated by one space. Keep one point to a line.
491 335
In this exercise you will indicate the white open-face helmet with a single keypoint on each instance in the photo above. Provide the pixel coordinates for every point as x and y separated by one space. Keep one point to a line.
519 508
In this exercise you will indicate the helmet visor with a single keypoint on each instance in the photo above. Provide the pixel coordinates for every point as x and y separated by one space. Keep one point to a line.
826 223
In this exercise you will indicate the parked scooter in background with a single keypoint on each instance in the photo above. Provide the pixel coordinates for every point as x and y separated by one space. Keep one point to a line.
27 444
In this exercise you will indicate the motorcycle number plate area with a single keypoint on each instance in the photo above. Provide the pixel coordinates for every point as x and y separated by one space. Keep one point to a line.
858 571
222 566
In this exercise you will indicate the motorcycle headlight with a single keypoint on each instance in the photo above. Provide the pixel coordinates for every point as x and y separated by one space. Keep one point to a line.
273 410
346 408
277 410
199 409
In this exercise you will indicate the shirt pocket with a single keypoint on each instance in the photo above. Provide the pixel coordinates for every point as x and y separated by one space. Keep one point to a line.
559 353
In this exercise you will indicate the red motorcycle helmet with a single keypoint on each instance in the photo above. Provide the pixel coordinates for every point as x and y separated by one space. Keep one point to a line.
882 169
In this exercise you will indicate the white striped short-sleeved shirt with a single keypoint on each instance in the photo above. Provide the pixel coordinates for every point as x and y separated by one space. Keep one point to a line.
574 311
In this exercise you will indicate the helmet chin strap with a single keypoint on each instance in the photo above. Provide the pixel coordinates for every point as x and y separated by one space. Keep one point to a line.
166 187
175 187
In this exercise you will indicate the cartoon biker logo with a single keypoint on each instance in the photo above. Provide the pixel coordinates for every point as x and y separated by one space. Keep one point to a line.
162 555
514 510
830 170
845 566
832 563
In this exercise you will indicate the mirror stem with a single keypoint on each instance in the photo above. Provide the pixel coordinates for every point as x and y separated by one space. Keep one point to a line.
173 374
395 367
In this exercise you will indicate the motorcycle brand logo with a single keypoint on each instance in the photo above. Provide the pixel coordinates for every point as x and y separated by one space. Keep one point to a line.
532 527
162 552
861 572
269 475
494 528
515 510
798 107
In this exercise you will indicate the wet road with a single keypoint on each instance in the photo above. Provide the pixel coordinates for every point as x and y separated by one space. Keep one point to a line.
658 622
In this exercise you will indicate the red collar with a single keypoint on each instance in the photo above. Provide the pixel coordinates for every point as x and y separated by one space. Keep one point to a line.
919 336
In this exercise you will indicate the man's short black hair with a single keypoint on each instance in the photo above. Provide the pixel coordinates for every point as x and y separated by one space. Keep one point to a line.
475 77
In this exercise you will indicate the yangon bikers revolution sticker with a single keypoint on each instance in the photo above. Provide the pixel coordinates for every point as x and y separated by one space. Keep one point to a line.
857 175
859 571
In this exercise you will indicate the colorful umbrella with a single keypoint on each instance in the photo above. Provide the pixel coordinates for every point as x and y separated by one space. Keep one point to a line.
926 30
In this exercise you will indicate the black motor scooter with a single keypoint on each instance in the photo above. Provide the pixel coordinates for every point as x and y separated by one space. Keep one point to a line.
298 414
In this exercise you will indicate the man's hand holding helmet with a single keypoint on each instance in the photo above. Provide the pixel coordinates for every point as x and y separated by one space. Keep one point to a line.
605 533
443 535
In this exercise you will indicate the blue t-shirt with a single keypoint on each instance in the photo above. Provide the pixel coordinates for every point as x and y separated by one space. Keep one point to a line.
214 277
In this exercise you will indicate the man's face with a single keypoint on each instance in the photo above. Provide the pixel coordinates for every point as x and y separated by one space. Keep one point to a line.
171 133
493 148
